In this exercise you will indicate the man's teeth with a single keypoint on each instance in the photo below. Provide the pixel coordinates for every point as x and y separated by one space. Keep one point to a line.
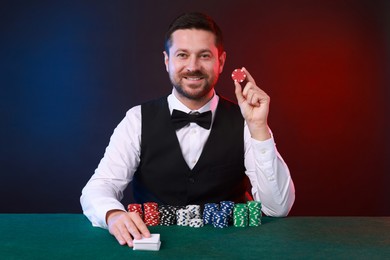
189 78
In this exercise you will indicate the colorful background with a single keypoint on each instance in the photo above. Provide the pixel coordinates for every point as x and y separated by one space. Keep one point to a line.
71 69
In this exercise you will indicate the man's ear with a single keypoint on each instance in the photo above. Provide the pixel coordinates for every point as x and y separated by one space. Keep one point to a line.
222 59
166 60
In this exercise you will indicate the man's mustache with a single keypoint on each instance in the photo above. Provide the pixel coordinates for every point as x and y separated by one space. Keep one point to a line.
194 74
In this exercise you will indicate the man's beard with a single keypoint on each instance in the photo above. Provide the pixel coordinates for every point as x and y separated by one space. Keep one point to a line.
205 89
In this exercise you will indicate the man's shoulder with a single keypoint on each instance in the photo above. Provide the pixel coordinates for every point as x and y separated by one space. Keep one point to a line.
160 101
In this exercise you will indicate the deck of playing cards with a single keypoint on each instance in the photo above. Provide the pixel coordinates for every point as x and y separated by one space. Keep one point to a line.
151 243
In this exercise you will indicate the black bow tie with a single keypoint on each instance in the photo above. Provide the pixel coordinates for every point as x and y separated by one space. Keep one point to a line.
181 119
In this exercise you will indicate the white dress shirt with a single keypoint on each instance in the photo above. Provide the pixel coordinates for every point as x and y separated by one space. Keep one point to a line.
269 175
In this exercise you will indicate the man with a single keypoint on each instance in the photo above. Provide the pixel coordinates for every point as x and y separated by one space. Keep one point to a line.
174 162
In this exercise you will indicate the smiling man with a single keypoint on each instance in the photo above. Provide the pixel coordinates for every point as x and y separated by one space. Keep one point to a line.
192 146
194 64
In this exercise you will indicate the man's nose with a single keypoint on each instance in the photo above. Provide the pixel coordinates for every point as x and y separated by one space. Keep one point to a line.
193 64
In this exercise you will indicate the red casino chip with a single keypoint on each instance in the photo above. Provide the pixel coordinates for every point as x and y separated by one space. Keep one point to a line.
151 214
152 218
135 208
238 75
150 206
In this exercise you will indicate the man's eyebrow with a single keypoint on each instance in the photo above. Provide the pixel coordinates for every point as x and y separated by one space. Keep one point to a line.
181 50
200 51
205 50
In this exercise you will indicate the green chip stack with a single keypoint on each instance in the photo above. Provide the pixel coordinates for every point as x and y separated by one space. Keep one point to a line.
240 215
255 214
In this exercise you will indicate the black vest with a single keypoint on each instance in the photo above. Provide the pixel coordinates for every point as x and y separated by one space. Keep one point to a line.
164 177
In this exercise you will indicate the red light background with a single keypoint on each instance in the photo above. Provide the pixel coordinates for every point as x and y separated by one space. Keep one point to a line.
325 67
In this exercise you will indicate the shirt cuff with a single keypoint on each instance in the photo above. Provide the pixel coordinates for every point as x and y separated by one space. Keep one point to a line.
100 221
265 150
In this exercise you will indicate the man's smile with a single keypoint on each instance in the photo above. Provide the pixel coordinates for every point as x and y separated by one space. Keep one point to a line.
193 78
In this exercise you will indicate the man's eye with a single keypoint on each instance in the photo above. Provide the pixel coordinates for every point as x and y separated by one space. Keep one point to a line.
181 55
205 56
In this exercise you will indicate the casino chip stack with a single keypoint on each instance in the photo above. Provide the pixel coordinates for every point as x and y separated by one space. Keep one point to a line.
227 207
183 217
195 216
209 208
196 222
240 215
194 211
255 214
152 214
167 215
134 207
220 219
219 215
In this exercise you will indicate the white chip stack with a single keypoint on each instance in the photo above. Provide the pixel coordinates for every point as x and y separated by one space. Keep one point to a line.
183 217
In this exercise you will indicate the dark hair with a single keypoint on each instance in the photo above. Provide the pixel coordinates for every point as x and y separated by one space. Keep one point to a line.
194 21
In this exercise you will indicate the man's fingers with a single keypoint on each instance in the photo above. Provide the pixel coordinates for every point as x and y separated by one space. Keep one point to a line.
125 234
139 226
132 230
126 226
250 94
238 92
253 99
246 93
116 232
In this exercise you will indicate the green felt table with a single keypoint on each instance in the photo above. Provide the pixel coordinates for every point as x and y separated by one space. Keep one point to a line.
71 236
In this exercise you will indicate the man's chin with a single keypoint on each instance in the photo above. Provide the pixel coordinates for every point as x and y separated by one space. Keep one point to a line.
192 93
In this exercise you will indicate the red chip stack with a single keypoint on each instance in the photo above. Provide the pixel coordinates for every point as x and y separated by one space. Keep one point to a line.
135 208
152 215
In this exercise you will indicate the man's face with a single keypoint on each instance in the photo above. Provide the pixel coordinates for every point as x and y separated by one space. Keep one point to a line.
193 63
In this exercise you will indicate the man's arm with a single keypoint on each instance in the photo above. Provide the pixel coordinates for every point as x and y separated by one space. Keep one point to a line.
101 196
269 176
268 173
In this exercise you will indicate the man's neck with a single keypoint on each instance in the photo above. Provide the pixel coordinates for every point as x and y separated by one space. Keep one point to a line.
194 104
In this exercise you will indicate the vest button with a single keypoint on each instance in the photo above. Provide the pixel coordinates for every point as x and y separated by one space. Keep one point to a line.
192 180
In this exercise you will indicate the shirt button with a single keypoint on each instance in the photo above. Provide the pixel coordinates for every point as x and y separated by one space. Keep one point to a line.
191 180
263 151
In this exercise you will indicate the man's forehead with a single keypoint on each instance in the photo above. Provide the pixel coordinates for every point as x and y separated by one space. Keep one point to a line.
193 38
192 30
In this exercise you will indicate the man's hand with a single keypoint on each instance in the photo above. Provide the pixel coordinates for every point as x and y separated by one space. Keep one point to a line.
254 105
125 226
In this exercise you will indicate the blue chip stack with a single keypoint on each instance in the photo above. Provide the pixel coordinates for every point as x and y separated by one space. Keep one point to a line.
220 219
209 208
227 207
